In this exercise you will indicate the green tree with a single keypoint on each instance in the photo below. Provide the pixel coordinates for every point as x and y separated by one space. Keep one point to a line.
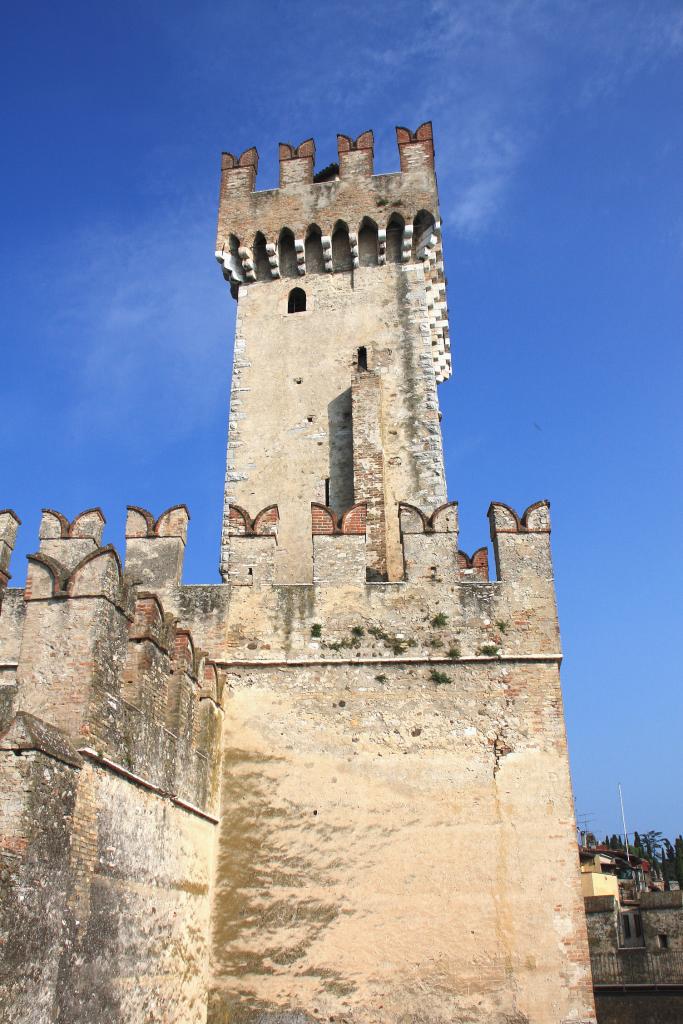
668 861
652 842
678 860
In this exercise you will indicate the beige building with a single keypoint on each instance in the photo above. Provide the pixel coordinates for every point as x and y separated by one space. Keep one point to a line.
599 873
250 803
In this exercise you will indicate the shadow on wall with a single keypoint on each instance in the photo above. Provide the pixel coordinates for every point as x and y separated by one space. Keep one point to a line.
340 485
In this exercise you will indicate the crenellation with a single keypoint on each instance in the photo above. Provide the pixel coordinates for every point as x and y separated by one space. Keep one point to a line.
416 149
430 543
238 174
150 637
69 542
475 565
249 546
75 624
155 549
183 684
356 156
9 525
522 545
296 163
12 609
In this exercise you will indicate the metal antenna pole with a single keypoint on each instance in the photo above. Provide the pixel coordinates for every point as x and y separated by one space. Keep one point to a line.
623 821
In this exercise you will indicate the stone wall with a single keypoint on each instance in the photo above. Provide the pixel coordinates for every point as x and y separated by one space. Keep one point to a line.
602 918
642 984
353 797
108 788
105 898
662 915
376 733
639 1007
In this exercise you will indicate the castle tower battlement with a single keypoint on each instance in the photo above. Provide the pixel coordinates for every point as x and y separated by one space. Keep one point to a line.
344 218
341 338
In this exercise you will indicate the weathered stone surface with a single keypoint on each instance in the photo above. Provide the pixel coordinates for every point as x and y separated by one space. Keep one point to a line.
257 802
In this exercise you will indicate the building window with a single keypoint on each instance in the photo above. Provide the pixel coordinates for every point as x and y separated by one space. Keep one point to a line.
627 926
663 941
297 301
362 358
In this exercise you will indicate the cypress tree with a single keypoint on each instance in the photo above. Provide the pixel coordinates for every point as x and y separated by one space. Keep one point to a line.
678 862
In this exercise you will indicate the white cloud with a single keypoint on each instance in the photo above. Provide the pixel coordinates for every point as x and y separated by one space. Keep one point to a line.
145 319
491 73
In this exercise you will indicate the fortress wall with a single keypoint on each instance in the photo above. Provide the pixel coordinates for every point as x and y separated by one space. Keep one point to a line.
108 787
377 736
355 800
140 948
105 898
38 795
11 626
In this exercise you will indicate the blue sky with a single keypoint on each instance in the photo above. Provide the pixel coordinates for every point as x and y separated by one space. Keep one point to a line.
560 160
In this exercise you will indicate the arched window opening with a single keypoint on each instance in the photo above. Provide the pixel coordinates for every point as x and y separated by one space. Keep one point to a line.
341 248
313 248
394 238
362 358
296 302
261 263
423 228
367 244
287 254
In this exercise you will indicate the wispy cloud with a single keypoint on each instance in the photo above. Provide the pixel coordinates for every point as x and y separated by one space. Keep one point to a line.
144 316
493 74
144 320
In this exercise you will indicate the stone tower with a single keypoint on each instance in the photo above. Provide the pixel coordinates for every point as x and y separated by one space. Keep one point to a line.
334 786
342 336
397 839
